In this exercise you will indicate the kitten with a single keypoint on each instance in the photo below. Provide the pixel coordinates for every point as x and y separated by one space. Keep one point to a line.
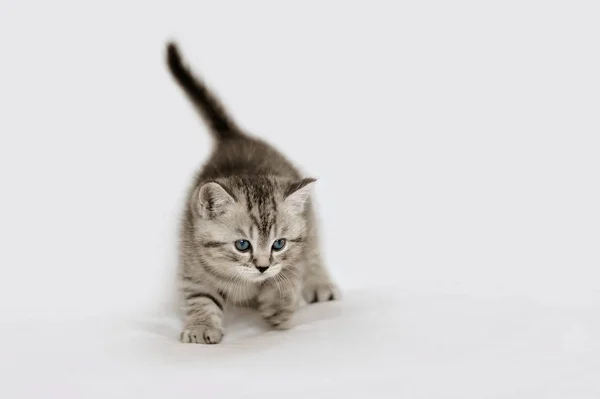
248 234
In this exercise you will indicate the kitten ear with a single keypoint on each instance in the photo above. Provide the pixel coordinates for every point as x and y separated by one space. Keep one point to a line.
297 194
212 200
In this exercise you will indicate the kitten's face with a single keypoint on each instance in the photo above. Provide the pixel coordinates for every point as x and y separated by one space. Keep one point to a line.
253 229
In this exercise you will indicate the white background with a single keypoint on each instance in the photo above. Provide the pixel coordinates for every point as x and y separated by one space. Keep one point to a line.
456 145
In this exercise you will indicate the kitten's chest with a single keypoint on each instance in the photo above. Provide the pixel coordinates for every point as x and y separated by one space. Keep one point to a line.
242 294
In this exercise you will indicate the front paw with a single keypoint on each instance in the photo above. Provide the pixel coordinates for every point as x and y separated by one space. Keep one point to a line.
200 334
320 292
277 308
276 316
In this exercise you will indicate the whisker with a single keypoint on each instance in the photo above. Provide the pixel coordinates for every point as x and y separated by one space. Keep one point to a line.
288 282
278 286
293 272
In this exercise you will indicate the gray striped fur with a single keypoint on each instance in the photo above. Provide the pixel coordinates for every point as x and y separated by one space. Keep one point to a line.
246 190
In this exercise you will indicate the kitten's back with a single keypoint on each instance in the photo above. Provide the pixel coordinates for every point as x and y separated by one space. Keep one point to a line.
247 156
236 153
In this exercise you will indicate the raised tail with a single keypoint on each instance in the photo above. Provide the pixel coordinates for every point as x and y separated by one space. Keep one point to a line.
206 103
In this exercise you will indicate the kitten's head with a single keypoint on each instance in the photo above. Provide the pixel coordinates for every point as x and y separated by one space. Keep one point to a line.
250 228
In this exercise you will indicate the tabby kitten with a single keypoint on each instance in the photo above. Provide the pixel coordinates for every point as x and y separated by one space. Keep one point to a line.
248 235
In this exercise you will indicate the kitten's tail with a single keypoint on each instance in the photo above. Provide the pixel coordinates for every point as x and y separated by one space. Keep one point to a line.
206 103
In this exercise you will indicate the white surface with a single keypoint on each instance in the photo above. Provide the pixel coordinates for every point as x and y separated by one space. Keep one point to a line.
456 145
373 343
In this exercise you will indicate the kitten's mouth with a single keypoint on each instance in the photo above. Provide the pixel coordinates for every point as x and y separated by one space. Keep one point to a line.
254 275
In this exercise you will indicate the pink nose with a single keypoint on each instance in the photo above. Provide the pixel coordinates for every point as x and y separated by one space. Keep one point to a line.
262 261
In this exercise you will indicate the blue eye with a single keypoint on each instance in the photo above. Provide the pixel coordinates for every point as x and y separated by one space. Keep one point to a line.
279 244
242 245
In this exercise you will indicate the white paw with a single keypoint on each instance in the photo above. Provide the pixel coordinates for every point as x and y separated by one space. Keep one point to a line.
320 292
199 334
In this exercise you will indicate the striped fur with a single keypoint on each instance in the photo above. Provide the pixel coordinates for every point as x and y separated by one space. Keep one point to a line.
246 190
